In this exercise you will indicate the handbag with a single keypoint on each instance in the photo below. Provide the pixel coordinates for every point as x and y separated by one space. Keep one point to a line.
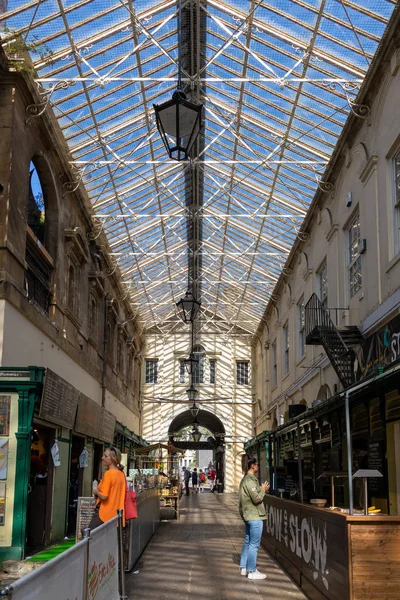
130 509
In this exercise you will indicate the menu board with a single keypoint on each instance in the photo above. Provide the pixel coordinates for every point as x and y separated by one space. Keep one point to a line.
84 515
5 403
59 400
107 426
376 460
88 416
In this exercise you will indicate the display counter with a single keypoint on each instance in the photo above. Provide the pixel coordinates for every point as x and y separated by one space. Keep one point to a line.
138 532
332 555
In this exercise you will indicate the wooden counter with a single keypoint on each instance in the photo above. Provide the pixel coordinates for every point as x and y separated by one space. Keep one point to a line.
334 556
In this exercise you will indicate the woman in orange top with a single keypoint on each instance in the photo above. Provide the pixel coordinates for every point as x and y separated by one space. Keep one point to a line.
111 490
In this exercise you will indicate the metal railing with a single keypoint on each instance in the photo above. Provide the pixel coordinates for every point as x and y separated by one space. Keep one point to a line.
91 568
320 329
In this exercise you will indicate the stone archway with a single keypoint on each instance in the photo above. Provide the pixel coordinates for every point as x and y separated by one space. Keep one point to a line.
210 421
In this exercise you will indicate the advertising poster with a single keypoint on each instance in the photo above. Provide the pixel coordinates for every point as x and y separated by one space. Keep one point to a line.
61 578
2 502
3 459
5 403
103 563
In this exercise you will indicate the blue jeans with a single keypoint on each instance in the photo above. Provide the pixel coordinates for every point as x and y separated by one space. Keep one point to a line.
251 544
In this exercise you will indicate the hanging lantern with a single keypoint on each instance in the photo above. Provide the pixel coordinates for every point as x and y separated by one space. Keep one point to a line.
188 307
179 124
194 409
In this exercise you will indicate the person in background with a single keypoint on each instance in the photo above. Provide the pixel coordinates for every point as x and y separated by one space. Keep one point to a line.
202 480
252 511
195 481
186 479
212 476
110 492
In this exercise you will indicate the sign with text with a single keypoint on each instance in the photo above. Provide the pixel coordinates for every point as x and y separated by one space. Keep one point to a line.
84 514
311 540
61 578
88 416
379 350
59 400
107 426
103 562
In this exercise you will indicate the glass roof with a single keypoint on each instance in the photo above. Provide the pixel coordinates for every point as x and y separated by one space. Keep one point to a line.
277 79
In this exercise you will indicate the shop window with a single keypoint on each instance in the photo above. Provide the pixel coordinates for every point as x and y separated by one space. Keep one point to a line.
285 336
213 368
151 371
396 201
182 371
354 256
274 364
322 278
242 373
198 375
301 325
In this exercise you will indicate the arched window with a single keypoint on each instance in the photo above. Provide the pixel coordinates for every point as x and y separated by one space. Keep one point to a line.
36 210
120 357
38 256
198 375
93 317
71 287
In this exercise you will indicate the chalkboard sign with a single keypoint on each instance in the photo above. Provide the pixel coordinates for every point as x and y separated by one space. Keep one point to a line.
84 515
376 460
88 416
59 400
107 426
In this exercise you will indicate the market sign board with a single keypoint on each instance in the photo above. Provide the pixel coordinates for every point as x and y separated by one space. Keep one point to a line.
88 416
59 400
309 543
107 426
379 351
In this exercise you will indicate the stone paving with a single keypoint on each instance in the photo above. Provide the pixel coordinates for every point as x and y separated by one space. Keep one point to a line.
197 558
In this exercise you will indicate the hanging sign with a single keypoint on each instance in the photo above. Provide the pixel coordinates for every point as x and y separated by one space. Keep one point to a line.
55 453
88 416
84 459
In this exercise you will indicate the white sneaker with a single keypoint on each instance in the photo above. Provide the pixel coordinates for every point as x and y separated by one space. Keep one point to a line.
256 575
243 571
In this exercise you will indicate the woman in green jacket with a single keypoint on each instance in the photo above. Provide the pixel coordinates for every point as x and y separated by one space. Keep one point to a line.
252 511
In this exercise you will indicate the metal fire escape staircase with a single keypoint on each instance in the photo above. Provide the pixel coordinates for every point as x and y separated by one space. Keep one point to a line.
337 343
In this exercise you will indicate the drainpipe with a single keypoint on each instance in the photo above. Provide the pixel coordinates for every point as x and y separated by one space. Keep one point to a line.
105 350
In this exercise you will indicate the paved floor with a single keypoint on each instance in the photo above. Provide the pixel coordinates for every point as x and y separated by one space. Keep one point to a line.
197 558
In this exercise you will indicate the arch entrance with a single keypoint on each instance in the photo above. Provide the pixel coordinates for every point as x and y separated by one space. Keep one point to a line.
214 442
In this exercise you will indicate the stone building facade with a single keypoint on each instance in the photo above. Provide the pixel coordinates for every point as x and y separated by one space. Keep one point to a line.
62 308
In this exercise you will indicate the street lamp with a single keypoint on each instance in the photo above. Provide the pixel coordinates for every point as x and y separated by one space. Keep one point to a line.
188 307
192 393
179 124
194 409
191 363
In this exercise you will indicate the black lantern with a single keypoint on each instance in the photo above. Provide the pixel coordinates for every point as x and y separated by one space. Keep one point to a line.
179 124
192 393
195 433
188 307
191 364
194 409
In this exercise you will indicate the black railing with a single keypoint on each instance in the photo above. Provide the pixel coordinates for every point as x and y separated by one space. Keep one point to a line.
320 329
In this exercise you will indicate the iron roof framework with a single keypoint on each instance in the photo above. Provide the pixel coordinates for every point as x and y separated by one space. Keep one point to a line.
277 79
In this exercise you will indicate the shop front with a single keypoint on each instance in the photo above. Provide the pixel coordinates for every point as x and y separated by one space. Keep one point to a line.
259 447
51 441
333 508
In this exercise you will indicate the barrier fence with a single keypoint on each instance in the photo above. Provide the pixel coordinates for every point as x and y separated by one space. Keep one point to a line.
91 570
